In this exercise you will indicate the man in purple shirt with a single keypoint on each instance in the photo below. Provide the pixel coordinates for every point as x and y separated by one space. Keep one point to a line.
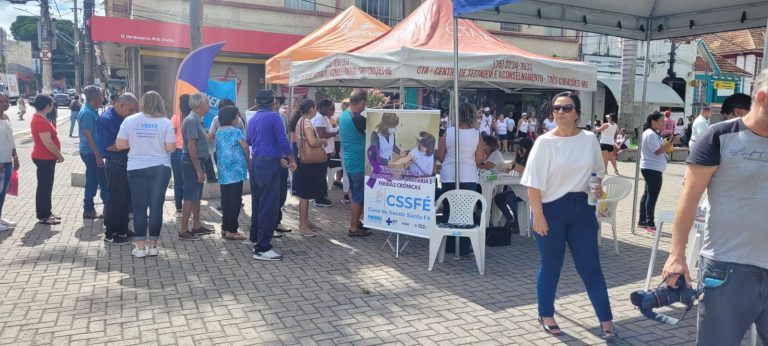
271 152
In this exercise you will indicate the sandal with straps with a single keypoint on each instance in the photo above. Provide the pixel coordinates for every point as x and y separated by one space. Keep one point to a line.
553 330
49 221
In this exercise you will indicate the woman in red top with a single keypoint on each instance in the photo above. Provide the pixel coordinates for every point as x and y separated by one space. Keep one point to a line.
45 154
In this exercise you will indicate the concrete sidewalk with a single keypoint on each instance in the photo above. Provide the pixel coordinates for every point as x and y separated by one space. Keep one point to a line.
62 285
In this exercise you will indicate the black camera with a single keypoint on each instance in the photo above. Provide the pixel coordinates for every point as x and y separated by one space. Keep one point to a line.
665 295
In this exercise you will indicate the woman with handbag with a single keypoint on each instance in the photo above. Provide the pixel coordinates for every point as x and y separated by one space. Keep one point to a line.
310 170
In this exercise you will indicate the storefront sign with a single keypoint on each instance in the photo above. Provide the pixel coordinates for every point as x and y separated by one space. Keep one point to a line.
611 64
726 85
400 179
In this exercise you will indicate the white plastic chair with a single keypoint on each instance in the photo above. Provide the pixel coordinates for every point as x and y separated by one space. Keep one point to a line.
616 189
462 206
331 176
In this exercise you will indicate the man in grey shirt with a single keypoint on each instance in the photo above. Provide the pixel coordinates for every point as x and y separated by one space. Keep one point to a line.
730 161
194 154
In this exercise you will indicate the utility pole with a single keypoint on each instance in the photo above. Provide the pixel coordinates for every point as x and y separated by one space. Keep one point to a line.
76 36
765 50
628 71
671 71
46 53
195 24
88 43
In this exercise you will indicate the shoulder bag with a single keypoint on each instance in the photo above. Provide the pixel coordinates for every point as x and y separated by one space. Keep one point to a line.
307 153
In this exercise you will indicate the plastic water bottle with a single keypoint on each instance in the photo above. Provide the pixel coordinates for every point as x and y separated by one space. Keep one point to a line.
591 199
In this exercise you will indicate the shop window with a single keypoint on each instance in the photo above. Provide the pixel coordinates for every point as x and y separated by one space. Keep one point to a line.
388 11
511 27
300 5
758 66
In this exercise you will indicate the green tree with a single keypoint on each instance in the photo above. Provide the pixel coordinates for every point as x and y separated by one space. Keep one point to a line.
25 29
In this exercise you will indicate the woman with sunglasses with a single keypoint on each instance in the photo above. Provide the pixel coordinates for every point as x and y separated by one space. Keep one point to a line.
558 169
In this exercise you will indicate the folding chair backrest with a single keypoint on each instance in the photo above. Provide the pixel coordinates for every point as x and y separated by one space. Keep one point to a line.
462 204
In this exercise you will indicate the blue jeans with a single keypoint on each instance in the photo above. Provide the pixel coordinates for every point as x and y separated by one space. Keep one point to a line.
72 122
506 201
95 178
571 221
148 187
5 179
178 178
265 201
730 308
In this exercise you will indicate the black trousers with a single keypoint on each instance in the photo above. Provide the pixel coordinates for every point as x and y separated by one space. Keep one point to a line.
283 191
119 203
650 196
46 170
231 199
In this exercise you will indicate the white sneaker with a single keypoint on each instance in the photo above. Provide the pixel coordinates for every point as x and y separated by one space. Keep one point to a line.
153 251
3 228
6 222
270 255
139 252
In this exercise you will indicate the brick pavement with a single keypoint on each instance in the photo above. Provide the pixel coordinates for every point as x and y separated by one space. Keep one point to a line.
62 285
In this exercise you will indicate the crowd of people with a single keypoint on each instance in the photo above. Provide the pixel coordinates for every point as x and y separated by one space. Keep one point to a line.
132 149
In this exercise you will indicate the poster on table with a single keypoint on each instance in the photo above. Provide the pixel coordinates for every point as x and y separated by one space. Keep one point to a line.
400 170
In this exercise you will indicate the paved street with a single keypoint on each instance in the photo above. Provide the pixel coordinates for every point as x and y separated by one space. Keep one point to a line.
61 285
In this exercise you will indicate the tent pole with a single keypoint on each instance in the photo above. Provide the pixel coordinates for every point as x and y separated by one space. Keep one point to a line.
290 106
402 94
646 70
456 98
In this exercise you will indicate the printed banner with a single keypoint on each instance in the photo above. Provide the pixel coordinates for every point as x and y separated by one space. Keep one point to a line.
194 70
216 91
400 170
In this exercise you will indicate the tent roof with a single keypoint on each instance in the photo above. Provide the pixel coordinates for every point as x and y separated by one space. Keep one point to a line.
430 27
623 18
419 51
348 30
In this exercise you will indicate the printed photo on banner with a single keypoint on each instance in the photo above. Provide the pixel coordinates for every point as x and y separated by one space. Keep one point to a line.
400 170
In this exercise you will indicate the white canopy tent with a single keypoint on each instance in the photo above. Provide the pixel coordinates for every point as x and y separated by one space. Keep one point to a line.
645 20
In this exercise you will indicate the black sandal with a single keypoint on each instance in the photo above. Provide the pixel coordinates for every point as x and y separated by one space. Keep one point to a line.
49 221
608 335
358 233
553 330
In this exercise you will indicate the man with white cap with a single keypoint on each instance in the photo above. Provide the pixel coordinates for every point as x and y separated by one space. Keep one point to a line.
485 122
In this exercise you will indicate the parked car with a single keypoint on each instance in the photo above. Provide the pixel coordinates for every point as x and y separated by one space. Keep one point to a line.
62 99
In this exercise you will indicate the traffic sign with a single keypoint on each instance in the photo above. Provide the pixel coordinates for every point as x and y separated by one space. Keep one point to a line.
45 54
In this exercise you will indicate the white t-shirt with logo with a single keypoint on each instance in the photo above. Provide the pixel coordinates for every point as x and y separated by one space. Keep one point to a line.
147 137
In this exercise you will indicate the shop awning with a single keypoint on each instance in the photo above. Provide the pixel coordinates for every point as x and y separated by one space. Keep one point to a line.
347 31
419 52
658 94
173 35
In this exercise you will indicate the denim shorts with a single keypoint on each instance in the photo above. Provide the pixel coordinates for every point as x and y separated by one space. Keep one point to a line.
356 187
193 191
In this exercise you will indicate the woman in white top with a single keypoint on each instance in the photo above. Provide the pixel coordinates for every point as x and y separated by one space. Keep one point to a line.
150 139
526 126
493 158
653 162
384 137
549 123
557 172
502 131
470 153
607 133
9 161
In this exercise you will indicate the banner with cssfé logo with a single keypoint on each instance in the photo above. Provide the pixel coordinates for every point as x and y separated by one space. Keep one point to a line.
400 170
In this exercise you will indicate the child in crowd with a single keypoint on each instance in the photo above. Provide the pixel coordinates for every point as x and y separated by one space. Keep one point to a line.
234 158
420 160
507 200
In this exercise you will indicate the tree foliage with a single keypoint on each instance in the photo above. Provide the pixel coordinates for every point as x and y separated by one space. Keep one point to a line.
25 29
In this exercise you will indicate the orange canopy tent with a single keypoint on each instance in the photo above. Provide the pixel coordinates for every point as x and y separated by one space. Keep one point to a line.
345 32
418 52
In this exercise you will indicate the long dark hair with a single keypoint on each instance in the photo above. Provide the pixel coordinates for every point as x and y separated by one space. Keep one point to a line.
651 118
304 107
184 105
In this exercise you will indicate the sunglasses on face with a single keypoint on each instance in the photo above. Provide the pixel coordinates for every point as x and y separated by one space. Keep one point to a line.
565 108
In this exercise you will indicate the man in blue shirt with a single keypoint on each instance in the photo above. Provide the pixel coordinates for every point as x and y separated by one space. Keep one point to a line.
271 152
352 132
118 206
89 151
